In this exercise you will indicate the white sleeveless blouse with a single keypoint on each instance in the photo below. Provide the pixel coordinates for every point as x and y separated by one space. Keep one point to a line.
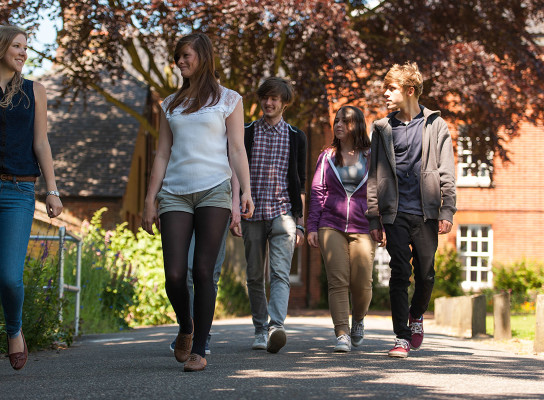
198 160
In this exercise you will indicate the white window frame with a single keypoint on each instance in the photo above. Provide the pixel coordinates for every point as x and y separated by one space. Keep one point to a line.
475 261
465 174
381 265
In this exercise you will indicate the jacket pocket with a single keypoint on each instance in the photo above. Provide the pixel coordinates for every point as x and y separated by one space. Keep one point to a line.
432 198
387 195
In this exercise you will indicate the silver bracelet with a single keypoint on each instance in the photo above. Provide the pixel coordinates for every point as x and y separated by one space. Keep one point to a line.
53 193
301 228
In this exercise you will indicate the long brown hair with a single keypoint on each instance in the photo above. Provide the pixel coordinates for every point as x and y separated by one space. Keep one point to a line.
8 33
357 124
197 91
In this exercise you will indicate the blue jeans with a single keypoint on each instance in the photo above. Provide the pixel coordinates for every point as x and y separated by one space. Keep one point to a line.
16 214
216 269
280 234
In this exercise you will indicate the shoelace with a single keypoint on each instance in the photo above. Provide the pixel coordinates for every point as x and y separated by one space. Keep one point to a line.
193 357
358 329
343 338
416 327
401 343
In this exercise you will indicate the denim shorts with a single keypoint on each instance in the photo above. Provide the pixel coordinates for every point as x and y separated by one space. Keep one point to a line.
218 196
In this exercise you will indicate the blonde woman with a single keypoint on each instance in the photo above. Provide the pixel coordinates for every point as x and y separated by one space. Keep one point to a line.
24 155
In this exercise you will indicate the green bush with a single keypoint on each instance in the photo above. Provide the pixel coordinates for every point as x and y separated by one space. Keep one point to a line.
524 279
151 305
232 298
448 275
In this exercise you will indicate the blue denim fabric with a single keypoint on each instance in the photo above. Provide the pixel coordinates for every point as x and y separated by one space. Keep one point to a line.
16 214
216 270
280 234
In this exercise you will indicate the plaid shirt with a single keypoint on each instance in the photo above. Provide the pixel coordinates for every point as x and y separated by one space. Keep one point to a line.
268 170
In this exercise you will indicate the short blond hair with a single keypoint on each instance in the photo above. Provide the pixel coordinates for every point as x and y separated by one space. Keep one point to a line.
406 75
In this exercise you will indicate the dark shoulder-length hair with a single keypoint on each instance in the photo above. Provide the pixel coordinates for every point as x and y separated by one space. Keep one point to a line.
202 89
356 122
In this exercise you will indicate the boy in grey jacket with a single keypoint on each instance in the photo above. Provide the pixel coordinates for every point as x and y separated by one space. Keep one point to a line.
411 195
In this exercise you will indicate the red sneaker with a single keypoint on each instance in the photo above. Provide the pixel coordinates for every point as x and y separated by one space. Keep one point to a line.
416 326
401 348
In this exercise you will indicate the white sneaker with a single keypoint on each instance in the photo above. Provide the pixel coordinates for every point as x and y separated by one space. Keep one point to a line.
357 332
343 344
276 339
260 341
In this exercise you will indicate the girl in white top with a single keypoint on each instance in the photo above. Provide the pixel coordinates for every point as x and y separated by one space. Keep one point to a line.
191 179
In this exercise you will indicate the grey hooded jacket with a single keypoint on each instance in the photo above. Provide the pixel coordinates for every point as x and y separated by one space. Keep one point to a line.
437 179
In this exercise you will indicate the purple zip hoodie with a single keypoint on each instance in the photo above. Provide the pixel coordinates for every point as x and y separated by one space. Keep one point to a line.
330 205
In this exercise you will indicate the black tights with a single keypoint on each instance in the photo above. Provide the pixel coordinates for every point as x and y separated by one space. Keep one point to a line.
176 231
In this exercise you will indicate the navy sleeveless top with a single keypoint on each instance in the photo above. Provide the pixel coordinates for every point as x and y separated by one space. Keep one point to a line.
17 134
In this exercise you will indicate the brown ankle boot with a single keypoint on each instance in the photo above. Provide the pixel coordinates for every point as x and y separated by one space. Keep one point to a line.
184 344
195 363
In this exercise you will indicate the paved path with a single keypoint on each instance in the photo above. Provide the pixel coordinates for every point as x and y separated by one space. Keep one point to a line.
138 364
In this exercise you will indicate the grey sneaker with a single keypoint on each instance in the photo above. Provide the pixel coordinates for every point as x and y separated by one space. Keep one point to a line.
357 332
260 341
343 344
276 339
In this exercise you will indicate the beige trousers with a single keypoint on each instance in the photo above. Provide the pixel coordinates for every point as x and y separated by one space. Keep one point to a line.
349 258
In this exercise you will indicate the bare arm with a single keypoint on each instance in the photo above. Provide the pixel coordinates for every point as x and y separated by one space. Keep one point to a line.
42 149
238 157
150 215
235 227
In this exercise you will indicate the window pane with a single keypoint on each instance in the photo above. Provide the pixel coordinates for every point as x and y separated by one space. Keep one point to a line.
484 262
484 276
484 247
485 231
474 232
474 246
463 246
473 276
464 231
474 261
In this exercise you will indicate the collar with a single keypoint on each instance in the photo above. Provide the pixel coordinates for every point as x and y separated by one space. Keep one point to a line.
279 127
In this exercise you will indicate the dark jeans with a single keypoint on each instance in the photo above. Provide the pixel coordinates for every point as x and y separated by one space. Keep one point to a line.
410 238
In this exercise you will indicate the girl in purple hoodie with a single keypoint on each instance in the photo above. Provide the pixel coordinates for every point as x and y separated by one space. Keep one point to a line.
338 226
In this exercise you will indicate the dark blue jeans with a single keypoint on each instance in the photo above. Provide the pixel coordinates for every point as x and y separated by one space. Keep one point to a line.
409 237
16 214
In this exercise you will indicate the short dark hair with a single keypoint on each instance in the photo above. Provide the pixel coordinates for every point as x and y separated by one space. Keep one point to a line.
275 86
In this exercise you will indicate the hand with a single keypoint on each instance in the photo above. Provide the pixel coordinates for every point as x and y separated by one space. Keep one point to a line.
300 238
444 226
150 217
53 206
247 206
235 216
378 236
236 229
313 239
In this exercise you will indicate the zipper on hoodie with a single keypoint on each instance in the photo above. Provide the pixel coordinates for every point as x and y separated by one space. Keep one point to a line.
363 181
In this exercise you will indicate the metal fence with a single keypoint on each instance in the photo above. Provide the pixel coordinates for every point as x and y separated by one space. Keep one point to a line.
63 237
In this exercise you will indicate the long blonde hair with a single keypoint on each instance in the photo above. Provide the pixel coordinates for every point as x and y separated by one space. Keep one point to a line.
7 35
196 92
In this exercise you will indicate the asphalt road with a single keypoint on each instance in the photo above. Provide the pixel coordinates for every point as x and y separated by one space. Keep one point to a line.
138 364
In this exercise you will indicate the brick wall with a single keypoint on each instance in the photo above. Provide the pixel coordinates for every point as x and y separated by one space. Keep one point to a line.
514 206
84 208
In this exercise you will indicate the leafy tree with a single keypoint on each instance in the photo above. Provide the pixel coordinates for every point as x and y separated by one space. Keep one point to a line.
482 65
